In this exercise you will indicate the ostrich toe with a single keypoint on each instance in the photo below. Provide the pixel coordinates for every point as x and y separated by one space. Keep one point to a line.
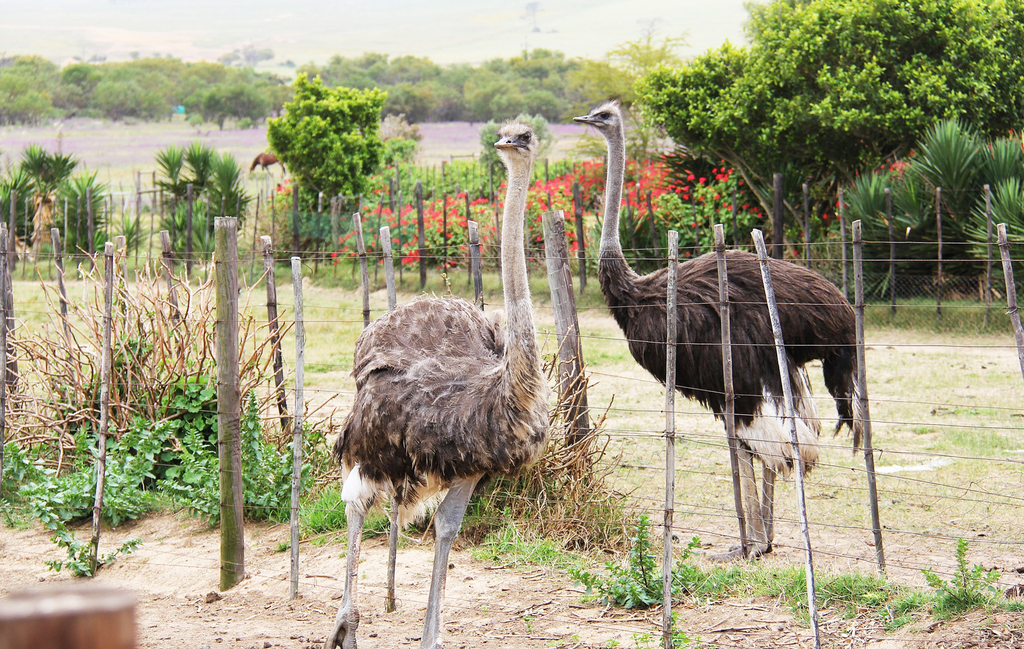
344 633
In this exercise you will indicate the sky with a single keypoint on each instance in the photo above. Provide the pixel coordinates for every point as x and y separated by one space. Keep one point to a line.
446 31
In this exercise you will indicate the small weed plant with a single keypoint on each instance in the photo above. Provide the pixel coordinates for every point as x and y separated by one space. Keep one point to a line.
969 587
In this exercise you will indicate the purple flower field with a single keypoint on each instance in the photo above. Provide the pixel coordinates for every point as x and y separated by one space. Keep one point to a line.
119 149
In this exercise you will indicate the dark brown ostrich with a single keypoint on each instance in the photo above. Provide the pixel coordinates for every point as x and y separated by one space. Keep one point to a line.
265 160
817 323
444 398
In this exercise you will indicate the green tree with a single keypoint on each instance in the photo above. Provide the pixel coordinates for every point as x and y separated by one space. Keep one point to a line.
832 86
329 139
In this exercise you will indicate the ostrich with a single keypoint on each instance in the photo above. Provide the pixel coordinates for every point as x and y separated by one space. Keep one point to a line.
817 322
444 399
265 160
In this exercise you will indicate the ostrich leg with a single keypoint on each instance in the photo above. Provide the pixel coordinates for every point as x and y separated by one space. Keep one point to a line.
767 504
389 604
447 521
345 624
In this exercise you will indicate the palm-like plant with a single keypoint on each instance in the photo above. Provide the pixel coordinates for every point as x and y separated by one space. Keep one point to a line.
75 189
225 188
47 171
175 221
171 163
199 160
18 180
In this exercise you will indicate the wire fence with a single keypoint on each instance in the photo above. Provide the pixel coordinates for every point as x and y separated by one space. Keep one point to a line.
945 402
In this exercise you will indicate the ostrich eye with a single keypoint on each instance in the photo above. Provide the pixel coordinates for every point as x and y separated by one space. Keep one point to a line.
605 115
525 137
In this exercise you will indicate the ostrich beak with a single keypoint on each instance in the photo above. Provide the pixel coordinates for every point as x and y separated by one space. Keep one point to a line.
586 119
506 143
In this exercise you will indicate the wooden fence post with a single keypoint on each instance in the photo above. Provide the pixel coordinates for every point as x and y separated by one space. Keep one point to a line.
862 395
300 408
295 218
105 356
670 439
892 251
572 382
69 617
730 393
474 265
807 225
421 234
938 229
275 330
581 243
1011 293
167 259
778 218
11 366
842 241
3 348
229 448
12 233
790 423
988 254
58 260
389 266
357 227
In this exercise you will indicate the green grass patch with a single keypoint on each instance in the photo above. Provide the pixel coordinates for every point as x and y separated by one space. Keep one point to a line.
512 546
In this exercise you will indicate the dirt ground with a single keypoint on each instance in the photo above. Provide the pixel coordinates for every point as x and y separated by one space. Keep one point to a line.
174 576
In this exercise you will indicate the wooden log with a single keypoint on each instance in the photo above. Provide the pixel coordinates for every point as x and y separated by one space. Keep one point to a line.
572 382
300 409
1011 293
274 330
730 392
11 375
670 439
78 616
357 227
3 348
295 218
862 395
229 447
790 423
101 443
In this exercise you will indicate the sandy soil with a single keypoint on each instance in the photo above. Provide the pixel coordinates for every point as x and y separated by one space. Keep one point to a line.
174 577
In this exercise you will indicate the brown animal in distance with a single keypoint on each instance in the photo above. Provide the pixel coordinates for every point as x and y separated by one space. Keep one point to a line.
265 160
445 398
817 323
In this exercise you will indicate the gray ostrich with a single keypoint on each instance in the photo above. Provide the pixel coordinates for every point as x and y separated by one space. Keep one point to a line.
444 399
817 322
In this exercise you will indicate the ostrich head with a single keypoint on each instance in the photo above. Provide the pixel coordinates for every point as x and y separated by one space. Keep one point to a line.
516 144
606 118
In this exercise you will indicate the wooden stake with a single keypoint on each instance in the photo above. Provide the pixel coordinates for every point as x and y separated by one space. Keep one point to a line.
295 218
357 227
862 395
11 364
892 251
730 393
105 356
670 438
389 266
1011 293
988 254
275 330
3 347
12 233
938 228
842 241
572 383
189 205
778 218
421 235
58 260
167 259
474 265
790 422
300 408
229 446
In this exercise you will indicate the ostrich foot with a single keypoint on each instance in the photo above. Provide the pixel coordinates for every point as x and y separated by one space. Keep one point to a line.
344 633
735 553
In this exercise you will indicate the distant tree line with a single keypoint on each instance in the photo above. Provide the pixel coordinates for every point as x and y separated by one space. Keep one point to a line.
33 88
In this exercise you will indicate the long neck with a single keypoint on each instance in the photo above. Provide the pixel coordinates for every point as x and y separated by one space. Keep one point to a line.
610 246
522 353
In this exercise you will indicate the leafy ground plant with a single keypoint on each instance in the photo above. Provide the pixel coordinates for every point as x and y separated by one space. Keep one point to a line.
969 587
